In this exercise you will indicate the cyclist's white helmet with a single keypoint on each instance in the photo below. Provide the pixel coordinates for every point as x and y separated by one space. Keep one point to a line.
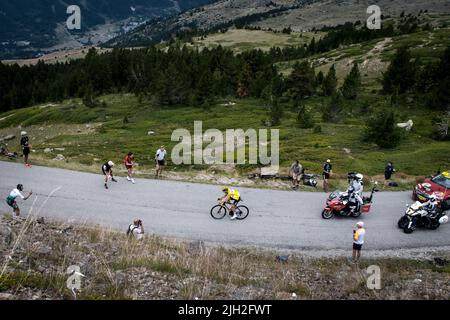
359 176
110 163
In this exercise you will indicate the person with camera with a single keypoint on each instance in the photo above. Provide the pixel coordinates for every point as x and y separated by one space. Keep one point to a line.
358 241
136 229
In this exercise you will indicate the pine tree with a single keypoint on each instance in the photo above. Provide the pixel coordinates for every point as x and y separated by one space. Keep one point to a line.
401 73
275 112
352 83
330 82
333 111
382 129
305 119
302 81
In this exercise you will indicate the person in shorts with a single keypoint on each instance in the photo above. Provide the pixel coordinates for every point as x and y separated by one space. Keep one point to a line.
108 172
11 199
327 171
296 172
160 158
358 241
129 162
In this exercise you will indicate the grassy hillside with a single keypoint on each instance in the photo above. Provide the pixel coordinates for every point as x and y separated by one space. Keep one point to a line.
122 122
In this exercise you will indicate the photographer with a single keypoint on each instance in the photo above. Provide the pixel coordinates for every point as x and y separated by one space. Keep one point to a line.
136 229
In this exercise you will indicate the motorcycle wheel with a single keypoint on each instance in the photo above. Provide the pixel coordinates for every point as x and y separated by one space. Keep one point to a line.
408 230
327 214
403 222
434 226
356 214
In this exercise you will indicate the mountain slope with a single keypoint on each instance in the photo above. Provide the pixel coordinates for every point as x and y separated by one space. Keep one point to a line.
28 26
274 14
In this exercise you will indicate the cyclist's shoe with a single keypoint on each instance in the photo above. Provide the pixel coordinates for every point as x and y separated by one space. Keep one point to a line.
132 181
128 178
233 216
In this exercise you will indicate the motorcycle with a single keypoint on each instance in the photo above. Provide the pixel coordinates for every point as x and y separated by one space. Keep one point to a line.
339 203
309 179
416 216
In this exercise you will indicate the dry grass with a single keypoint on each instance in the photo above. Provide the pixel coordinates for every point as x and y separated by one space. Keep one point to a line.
155 268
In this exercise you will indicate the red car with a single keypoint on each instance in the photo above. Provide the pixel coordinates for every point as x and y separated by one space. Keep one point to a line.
439 184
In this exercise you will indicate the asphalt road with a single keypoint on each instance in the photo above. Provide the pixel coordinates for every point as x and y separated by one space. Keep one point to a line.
284 219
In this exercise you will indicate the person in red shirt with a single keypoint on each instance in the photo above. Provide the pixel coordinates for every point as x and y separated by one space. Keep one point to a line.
129 162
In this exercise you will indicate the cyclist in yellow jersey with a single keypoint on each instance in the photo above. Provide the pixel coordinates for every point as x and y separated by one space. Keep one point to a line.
233 196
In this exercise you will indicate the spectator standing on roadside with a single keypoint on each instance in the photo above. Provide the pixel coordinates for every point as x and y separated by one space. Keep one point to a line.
26 147
160 158
296 172
358 241
327 171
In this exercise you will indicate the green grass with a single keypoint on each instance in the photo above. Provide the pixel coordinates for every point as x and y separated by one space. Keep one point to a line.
417 155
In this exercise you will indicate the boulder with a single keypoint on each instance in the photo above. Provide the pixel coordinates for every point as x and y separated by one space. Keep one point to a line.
48 150
59 157
406 125
8 137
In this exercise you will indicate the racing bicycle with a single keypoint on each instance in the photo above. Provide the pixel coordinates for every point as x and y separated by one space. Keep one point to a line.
220 211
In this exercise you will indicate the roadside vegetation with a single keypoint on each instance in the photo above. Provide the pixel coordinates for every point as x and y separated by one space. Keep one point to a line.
156 268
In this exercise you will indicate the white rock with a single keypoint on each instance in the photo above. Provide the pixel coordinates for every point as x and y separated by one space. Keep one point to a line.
150 133
48 150
59 157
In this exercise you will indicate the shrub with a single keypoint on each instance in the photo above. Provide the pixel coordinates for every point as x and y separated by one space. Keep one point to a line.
382 130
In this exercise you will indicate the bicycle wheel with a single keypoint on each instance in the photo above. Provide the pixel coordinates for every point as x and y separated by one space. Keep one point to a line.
242 212
218 212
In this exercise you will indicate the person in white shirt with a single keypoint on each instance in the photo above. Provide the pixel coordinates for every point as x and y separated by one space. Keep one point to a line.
11 199
136 229
160 159
358 240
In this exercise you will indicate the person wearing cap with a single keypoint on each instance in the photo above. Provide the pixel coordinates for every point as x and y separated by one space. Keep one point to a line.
358 241
327 171
107 172
26 147
160 158
11 199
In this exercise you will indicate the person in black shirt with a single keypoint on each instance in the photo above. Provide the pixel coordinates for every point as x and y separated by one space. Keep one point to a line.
24 142
327 171
107 171
388 171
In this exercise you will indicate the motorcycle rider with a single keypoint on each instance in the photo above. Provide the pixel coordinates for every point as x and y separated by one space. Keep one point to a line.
431 206
355 191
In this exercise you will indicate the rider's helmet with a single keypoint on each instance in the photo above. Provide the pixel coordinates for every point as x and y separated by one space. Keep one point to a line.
225 189
359 176
110 163
20 187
